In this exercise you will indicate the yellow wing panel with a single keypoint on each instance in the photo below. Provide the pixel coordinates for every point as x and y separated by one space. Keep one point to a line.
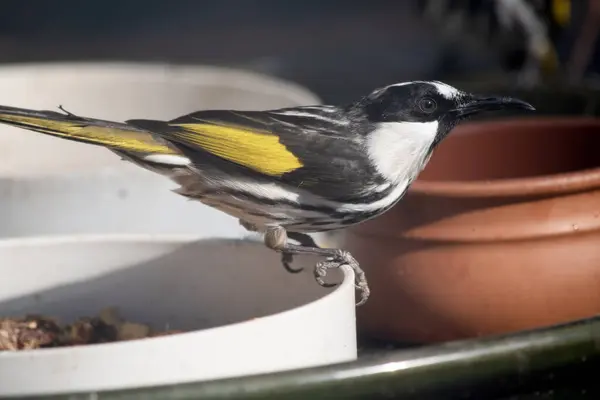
259 151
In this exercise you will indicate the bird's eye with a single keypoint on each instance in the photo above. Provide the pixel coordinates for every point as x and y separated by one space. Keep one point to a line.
427 105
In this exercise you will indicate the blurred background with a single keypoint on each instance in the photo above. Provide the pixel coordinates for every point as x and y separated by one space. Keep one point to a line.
542 51
339 49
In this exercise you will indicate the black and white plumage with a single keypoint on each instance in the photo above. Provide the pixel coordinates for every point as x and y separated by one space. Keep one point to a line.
290 171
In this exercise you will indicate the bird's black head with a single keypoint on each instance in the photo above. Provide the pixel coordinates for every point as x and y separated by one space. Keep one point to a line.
423 101
403 123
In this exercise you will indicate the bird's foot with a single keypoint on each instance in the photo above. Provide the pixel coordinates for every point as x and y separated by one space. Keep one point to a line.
286 260
276 238
340 258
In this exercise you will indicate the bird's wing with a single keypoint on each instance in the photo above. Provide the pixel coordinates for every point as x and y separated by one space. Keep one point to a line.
305 147
302 147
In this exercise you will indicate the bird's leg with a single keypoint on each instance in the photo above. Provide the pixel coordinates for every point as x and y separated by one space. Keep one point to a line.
287 258
276 238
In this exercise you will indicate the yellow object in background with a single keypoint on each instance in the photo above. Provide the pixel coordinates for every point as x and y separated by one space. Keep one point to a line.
561 11
561 14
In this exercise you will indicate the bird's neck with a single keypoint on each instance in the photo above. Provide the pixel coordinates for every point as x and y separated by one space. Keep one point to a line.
400 150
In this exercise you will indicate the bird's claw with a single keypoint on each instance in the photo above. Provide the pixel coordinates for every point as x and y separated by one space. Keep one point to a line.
286 260
321 271
343 258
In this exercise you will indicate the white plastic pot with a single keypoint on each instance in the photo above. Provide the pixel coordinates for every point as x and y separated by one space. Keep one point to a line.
51 186
108 202
245 314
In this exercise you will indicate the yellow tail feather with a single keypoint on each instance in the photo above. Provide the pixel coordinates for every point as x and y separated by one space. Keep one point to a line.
115 135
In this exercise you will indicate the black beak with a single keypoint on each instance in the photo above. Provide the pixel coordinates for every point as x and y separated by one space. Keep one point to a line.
475 105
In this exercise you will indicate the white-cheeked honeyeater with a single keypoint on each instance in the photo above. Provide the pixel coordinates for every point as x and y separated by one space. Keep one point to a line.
290 171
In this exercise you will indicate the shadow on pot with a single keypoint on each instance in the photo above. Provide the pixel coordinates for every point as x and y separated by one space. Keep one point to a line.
500 233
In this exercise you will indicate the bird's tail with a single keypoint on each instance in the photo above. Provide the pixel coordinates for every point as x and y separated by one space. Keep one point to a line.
117 136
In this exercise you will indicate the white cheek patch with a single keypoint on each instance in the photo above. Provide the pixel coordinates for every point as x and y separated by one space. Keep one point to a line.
399 150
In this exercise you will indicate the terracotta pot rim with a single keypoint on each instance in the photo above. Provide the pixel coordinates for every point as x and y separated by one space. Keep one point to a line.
567 182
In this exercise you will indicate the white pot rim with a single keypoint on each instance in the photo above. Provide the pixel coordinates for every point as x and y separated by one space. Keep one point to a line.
192 74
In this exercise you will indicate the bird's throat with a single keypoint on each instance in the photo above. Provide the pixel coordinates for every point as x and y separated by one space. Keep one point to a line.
400 150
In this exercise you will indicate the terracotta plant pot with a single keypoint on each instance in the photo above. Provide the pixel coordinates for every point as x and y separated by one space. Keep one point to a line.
500 233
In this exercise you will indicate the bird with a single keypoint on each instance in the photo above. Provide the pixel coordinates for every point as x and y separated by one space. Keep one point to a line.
289 172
